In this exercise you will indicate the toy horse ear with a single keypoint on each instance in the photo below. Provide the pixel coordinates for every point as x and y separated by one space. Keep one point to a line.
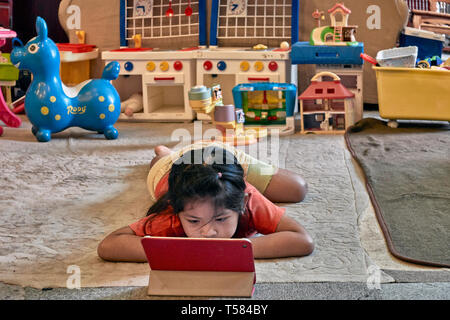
41 28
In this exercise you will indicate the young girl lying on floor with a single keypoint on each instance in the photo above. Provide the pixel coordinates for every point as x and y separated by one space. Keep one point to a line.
211 190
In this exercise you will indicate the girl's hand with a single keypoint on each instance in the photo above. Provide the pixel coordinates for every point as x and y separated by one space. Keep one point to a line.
289 240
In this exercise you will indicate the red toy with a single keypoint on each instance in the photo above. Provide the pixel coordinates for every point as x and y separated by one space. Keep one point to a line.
326 106
8 117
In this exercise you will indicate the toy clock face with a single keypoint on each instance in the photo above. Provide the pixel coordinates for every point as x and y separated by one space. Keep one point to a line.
237 8
143 8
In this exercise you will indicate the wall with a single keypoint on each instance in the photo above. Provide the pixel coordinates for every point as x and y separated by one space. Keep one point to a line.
379 24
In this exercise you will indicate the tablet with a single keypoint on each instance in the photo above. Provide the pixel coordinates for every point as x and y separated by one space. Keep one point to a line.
199 254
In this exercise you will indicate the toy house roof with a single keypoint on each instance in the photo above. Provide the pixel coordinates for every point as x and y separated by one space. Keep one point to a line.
326 90
340 6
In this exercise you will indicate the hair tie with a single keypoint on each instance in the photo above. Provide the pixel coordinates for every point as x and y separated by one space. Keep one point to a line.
219 175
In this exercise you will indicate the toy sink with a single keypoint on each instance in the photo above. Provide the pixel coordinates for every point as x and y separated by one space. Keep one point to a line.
413 93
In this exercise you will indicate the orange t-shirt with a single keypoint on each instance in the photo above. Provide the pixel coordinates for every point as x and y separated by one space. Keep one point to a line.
261 216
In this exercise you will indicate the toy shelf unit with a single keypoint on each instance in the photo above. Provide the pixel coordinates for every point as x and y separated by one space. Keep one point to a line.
236 54
165 84
166 75
351 76
267 104
326 106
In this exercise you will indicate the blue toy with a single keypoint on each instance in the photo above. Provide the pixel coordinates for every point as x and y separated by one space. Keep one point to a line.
50 105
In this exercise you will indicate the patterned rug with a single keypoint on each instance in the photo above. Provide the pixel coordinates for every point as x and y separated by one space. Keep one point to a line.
59 199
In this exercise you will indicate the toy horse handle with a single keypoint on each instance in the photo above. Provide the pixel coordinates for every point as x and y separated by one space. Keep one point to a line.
324 74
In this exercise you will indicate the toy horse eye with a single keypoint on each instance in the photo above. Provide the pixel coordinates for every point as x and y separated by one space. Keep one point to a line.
33 48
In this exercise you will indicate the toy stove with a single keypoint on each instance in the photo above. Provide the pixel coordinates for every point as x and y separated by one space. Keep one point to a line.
166 75
236 21
232 66
165 81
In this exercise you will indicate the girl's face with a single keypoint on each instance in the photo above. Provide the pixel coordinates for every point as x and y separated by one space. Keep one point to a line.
200 220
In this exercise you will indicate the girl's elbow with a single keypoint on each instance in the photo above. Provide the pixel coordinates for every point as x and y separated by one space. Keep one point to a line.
306 245
103 250
309 247
300 189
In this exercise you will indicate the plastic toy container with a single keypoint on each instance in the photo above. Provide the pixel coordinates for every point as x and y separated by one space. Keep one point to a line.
398 57
429 43
407 93
304 53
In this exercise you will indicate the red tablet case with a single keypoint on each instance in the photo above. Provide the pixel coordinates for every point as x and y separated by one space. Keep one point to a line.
192 254
179 265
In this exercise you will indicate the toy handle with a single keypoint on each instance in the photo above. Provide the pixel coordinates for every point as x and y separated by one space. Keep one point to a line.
326 73
369 59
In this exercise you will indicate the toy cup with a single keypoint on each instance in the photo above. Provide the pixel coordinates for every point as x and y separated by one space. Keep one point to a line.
200 99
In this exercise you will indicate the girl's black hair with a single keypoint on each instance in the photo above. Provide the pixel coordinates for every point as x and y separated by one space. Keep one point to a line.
209 172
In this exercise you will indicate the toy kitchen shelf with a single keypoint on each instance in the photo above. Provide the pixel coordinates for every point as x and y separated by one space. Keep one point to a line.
165 82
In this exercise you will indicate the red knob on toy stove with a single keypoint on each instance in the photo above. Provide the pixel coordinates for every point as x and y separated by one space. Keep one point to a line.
178 65
273 66
207 65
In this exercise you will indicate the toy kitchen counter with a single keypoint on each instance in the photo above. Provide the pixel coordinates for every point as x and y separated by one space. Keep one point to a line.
232 66
166 77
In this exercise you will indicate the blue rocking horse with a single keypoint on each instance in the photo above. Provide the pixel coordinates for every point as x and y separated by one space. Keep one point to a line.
50 105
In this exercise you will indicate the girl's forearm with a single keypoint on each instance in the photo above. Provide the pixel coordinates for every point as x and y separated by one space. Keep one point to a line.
282 244
122 247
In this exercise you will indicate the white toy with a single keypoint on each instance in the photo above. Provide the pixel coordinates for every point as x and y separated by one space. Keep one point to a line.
133 104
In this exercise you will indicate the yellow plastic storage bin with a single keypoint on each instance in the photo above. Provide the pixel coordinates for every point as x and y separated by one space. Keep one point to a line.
411 93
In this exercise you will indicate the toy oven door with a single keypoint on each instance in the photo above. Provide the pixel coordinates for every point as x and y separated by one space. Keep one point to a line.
165 96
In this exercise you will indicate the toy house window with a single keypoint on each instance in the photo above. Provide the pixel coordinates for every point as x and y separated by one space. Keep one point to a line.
330 90
348 35
318 91
338 105
339 18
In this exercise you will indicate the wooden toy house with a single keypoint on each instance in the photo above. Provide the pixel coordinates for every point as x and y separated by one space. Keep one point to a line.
339 33
326 106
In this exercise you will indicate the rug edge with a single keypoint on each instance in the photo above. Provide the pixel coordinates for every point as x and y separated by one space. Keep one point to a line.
379 214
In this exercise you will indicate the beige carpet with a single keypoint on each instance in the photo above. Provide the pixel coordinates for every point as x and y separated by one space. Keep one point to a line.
59 199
